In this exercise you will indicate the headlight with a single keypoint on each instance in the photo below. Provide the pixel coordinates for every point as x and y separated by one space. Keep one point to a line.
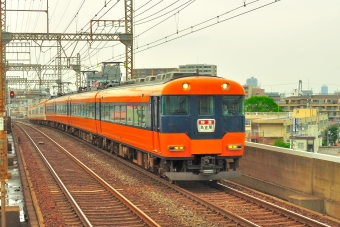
234 147
186 86
176 148
225 86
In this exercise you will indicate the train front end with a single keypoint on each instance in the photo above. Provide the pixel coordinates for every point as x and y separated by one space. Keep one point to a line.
201 129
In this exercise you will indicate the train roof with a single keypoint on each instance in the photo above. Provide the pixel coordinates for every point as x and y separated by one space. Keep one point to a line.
198 85
162 84
38 103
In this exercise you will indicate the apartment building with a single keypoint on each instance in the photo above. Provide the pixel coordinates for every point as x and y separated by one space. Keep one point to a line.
141 73
324 104
253 91
202 69
301 127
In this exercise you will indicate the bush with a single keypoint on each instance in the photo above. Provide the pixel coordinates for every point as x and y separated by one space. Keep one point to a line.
281 143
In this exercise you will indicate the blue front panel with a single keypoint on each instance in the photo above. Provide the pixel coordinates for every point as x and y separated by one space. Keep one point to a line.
233 122
188 125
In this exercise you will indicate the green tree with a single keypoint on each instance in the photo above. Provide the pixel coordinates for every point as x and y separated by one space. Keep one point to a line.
261 104
330 135
281 143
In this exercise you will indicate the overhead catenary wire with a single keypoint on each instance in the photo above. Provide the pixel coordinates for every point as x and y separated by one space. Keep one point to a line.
165 39
185 5
160 41
82 30
216 20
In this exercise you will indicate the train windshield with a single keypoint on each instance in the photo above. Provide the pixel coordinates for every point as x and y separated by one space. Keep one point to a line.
206 105
233 105
175 105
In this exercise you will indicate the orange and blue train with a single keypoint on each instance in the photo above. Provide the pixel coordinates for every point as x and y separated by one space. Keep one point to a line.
182 126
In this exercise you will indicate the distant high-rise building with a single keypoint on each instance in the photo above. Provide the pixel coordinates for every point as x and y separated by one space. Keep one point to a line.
324 90
203 69
252 82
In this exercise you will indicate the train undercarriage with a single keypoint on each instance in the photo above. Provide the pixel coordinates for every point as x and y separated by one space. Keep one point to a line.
201 167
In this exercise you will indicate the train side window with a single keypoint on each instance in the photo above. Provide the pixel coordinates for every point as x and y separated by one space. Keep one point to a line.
82 110
137 112
78 110
123 114
86 111
106 112
117 113
206 105
112 112
75 107
143 116
91 111
129 115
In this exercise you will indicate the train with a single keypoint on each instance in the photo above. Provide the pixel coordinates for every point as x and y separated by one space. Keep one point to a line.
173 124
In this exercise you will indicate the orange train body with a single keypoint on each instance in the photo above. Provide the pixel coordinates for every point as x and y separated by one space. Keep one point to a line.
175 127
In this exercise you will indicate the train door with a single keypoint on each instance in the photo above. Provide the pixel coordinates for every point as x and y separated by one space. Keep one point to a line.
155 122
98 107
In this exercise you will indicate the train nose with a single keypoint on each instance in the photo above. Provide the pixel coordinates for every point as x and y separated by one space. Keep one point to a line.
207 147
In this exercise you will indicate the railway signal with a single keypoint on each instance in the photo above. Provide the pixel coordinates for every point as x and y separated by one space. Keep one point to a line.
11 94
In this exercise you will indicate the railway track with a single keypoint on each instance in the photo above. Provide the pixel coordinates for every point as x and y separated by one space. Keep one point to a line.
251 208
83 198
194 204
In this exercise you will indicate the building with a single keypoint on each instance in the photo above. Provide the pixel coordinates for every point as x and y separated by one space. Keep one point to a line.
202 69
253 91
141 73
324 90
108 73
275 96
252 82
324 104
301 128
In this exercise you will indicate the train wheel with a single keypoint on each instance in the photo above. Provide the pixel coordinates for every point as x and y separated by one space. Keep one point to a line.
159 173
172 181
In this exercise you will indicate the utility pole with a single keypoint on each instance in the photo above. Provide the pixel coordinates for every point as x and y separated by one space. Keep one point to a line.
3 133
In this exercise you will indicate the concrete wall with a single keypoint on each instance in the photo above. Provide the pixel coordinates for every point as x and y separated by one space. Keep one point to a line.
294 176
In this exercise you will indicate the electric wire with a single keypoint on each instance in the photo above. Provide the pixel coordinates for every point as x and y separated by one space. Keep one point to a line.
166 40
100 17
161 41
152 19
29 15
38 16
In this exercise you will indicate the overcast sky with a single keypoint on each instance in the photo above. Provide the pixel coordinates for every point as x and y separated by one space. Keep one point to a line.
279 43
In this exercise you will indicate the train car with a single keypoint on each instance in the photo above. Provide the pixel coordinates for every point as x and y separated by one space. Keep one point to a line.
36 112
183 127
83 122
58 112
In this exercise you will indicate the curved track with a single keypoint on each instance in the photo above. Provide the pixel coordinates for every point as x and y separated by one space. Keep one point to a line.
95 202
192 204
